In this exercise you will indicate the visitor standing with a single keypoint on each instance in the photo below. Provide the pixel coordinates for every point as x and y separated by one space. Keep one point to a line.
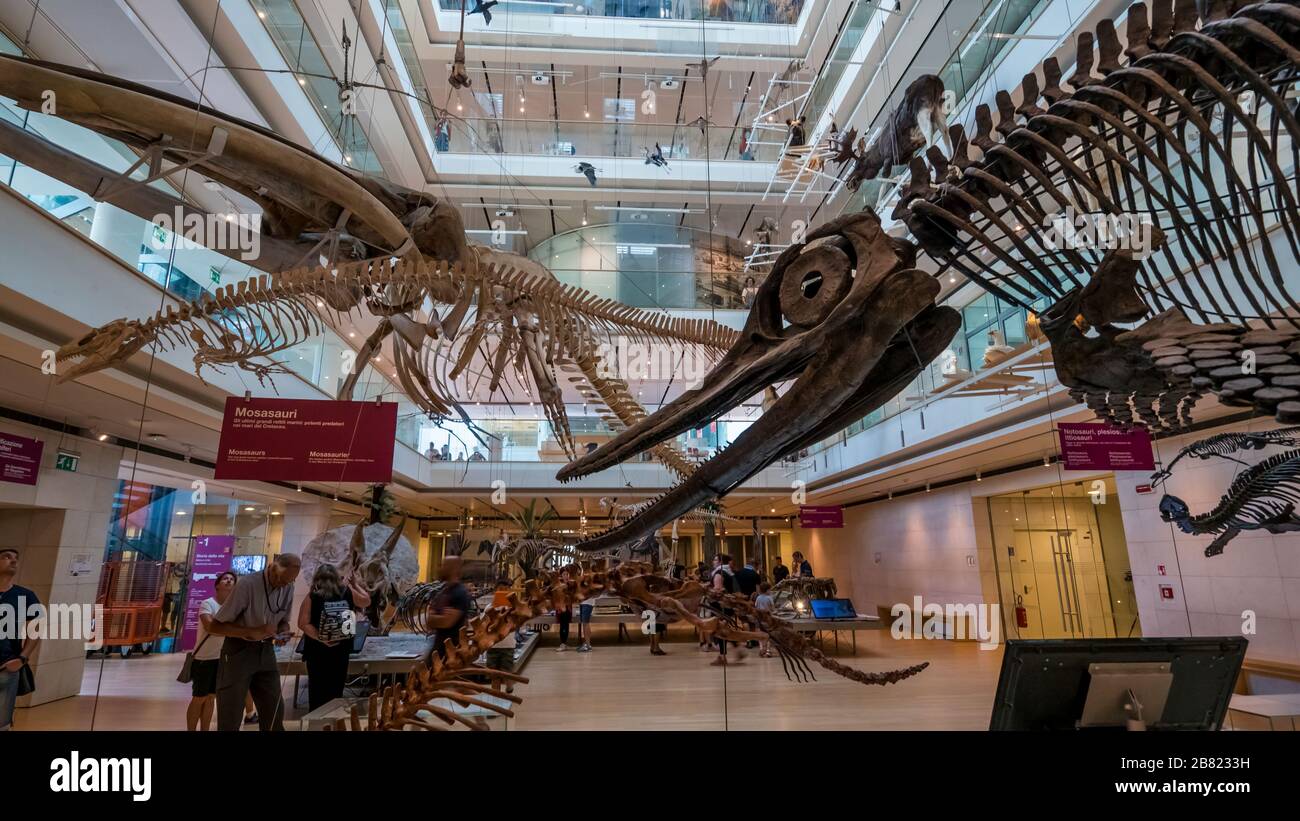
328 623
15 653
801 565
254 621
563 618
779 571
207 658
585 611
450 608
723 581
764 603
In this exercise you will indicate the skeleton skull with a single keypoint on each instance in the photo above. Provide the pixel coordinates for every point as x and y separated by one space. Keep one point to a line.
845 316
106 346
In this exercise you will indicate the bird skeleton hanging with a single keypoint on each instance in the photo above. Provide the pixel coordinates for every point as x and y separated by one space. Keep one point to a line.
338 245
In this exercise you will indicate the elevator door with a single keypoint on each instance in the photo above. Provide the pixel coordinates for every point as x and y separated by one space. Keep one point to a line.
1052 571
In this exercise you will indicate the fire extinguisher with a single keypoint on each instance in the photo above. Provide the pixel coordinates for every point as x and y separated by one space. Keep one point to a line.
1022 615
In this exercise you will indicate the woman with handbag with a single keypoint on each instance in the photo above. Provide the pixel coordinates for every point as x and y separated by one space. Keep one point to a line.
203 661
328 624
15 672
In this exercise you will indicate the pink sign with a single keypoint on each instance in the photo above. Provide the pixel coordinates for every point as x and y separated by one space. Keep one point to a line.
20 459
307 440
211 559
1096 446
824 516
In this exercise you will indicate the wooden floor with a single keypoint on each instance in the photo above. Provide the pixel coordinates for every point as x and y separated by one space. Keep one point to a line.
620 686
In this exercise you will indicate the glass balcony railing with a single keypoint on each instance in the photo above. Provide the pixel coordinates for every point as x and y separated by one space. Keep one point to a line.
776 12
521 434
595 138
303 55
648 265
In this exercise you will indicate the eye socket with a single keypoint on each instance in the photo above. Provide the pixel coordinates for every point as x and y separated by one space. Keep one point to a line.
814 284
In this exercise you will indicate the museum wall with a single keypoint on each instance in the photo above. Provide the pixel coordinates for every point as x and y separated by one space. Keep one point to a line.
1257 571
61 525
936 545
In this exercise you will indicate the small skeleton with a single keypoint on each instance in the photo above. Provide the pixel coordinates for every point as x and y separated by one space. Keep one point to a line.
1263 496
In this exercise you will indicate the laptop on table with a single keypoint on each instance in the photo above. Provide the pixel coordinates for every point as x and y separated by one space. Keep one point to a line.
833 609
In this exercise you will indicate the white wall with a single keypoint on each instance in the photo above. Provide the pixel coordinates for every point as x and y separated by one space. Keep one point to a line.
936 545
61 519
1257 571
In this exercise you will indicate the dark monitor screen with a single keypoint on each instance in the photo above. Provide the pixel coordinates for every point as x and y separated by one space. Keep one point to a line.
833 609
1044 683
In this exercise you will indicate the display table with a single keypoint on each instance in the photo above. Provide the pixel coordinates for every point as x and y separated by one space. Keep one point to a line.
393 655
834 626
1277 707
341 708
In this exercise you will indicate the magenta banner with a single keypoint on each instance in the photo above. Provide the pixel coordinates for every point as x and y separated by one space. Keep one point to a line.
299 440
1096 446
20 459
823 516
211 559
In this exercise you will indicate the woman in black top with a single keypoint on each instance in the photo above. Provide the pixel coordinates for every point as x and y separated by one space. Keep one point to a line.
328 623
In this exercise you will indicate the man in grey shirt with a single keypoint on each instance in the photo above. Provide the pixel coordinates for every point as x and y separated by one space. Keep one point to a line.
254 620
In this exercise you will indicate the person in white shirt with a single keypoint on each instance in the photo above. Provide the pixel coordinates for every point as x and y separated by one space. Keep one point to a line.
207 657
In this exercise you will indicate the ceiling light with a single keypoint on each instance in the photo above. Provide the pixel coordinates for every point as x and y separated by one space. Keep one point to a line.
275 513
180 513
351 334
459 107
249 509
301 81
103 437
262 15
586 113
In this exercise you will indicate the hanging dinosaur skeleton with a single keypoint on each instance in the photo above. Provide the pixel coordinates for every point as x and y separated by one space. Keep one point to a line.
1263 496
445 676
1187 137
335 242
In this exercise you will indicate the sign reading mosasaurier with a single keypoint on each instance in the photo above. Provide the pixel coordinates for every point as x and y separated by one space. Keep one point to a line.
1097 446
307 440
20 459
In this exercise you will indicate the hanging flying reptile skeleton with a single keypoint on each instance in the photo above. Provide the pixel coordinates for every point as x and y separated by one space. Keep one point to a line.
384 251
850 316
446 677
1263 496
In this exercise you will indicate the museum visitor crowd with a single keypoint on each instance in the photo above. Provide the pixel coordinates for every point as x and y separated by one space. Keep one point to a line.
233 670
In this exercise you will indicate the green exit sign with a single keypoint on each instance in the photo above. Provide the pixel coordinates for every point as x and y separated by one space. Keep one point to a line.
67 461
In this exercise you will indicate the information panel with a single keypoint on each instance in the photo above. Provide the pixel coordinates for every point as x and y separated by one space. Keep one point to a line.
303 440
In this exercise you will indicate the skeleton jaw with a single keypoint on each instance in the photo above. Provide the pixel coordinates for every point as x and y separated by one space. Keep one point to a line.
105 347
850 342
